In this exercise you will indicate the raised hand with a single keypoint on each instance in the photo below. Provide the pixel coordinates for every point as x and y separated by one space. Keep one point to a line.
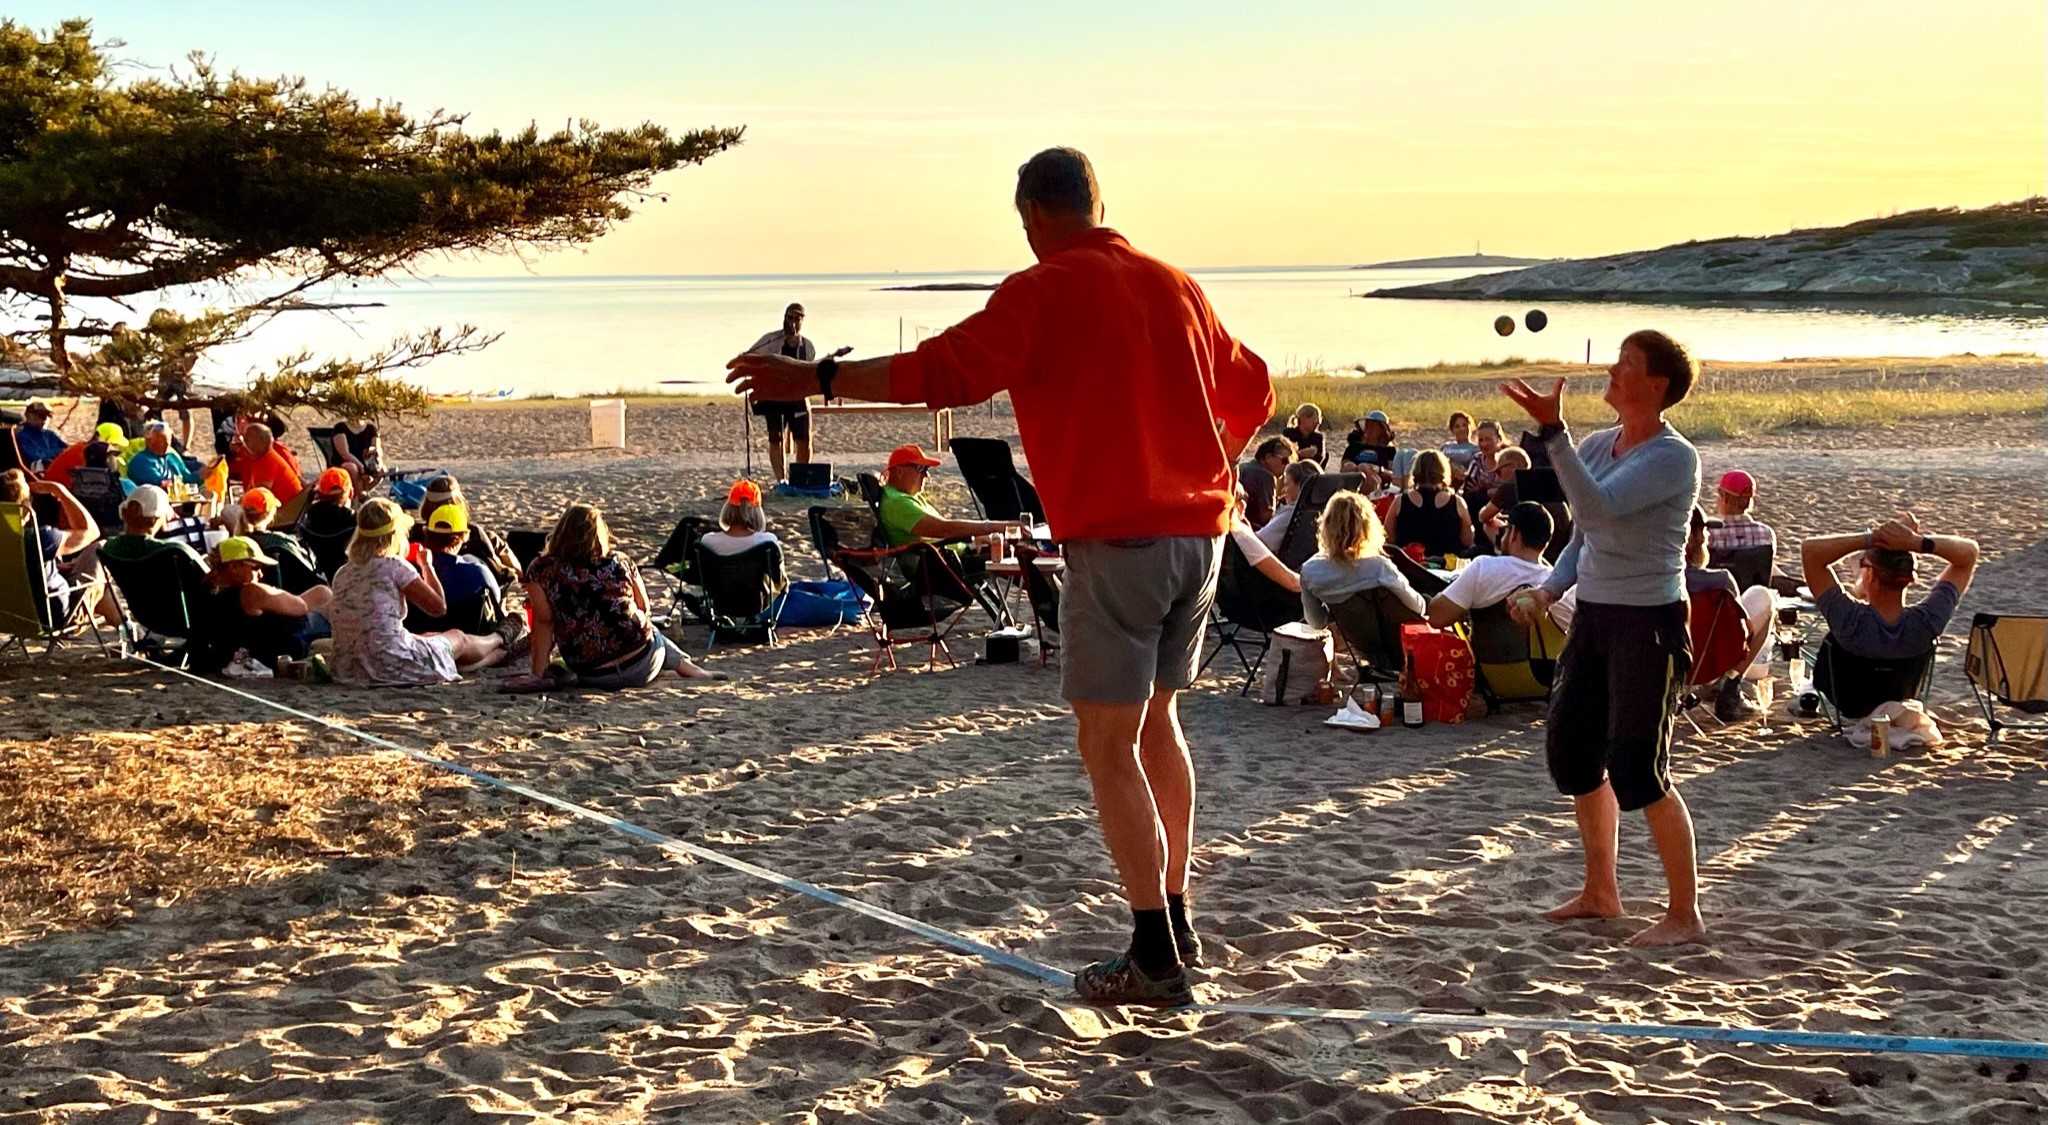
1902 534
1546 409
772 378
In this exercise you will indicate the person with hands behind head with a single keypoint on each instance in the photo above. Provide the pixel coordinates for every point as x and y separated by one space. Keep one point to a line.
1871 619
1608 739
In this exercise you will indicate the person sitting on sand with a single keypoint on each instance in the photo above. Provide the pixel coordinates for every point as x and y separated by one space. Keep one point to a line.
1350 559
1431 515
1259 478
249 614
1489 579
1257 553
742 525
371 593
1274 531
1758 604
1307 433
1871 619
475 600
483 543
588 601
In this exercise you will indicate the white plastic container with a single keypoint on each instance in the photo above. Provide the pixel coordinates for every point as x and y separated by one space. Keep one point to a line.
608 423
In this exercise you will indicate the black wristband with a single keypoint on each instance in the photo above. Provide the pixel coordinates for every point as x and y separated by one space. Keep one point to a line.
1927 544
828 368
1549 430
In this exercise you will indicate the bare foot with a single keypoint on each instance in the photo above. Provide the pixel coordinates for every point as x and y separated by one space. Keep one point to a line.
1586 904
1673 930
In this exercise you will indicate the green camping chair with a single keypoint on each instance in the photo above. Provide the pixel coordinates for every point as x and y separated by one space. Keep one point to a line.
29 612
1512 663
162 584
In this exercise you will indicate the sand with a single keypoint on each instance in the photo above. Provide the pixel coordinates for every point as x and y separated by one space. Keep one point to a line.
467 956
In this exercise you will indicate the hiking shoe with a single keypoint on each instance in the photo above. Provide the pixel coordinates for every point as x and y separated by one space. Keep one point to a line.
1119 980
1730 706
1190 948
517 636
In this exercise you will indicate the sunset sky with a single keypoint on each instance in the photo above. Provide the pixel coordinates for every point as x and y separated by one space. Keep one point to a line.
886 135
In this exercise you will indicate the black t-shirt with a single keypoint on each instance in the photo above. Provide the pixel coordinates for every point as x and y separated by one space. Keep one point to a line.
1303 443
359 444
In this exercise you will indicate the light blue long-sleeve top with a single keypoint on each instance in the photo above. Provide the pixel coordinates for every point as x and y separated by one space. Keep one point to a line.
1630 516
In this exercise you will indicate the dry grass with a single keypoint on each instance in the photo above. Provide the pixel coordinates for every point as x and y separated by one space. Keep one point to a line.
95 825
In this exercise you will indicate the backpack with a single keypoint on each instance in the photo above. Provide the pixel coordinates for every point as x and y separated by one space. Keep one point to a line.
1297 665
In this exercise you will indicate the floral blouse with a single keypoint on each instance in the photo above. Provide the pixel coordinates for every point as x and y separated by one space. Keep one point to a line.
597 622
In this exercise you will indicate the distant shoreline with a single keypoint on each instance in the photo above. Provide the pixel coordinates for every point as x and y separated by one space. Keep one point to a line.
941 287
1459 262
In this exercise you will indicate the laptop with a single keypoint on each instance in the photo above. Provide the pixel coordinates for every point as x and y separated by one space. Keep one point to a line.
810 474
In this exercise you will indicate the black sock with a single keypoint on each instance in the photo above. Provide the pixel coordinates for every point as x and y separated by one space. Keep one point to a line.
1152 943
1177 911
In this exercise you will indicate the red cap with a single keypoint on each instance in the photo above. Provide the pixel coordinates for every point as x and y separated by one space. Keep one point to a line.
910 455
1735 482
744 492
333 482
261 501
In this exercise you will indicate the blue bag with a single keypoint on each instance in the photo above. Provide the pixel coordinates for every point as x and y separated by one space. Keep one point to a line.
819 604
825 492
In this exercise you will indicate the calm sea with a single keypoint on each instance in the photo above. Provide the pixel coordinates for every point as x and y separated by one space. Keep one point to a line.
594 335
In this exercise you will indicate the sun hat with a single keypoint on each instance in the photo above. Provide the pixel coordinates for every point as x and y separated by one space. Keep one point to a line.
911 454
259 502
1735 482
241 548
150 501
744 492
451 519
333 482
1379 416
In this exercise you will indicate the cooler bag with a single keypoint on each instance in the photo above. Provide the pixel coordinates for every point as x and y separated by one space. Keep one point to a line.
1443 670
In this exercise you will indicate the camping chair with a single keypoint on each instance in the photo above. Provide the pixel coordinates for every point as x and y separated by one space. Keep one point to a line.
2007 662
323 440
289 512
871 492
28 611
99 492
740 591
1000 491
163 589
10 452
1751 566
1512 663
1719 632
297 571
1369 624
835 526
1044 595
1300 541
678 559
918 596
1248 607
1852 686
526 544
329 546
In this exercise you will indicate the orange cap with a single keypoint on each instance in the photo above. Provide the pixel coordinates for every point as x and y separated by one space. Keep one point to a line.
744 492
333 482
261 501
911 455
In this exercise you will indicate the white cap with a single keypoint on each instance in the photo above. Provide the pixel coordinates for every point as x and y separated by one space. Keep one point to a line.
150 501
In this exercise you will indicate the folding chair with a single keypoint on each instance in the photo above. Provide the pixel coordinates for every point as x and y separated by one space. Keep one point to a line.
835 526
1000 491
1248 607
526 544
740 591
678 559
163 590
323 440
1719 632
297 571
1300 541
99 492
871 492
1512 663
1852 686
1044 595
1369 624
2007 662
29 610
918 597
1751 566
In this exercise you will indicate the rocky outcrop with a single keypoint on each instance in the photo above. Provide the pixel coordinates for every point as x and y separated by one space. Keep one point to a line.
1995 255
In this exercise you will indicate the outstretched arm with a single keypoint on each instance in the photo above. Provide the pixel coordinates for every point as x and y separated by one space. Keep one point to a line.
1640 484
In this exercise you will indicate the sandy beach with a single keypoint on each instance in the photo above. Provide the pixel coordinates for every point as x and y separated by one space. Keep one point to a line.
211 912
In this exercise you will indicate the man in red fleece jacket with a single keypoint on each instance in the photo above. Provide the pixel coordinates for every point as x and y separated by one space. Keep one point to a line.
1097 329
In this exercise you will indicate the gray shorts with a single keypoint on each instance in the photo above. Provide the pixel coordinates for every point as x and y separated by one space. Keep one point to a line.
1132 615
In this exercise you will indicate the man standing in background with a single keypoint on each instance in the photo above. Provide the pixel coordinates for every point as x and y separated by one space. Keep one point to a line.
786 419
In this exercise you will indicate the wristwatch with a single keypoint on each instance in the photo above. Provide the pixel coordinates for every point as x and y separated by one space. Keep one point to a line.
827 369
1927 544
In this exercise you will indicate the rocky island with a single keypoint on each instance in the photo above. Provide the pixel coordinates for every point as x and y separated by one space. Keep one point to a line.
1993 255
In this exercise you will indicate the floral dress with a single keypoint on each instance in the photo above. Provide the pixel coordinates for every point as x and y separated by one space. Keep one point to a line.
371 644
597 622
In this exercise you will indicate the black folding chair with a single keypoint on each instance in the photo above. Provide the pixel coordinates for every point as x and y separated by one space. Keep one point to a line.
163 590
1852 686
297 571
2007 662
1369 623
837 525
1300 541
1248 607
1751 566
1000 491
323 440
99 492
741 592
918 597
678 559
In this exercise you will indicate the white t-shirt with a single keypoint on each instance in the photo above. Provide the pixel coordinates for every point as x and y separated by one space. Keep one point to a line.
1248 541
1486 580
720 543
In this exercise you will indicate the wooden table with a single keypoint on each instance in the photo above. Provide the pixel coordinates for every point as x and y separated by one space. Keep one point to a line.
942 417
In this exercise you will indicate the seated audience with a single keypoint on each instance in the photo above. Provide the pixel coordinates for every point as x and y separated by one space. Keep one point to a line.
1481 475
742 525
144 515
297 565
39 444
1274 531
907 517
100 451
475 600
156 462
1733 497
1350 559
259 462
1871 619
329 521
249 614
1306 433
1257 553
1460 448
61 556
1365 446
483 543
1488 579
360 451
1489 520
367 611
1259 478
1431 514
588 601
1758 604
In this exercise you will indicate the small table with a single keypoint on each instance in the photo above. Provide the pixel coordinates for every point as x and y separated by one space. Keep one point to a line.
942 417
1011 568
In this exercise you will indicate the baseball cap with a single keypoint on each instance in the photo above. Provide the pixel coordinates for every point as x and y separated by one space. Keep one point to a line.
744 492
259 501
1735 482
911 454
794 307
241 548
1379 416
149 500
333 482
452 519
111 433
36 404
